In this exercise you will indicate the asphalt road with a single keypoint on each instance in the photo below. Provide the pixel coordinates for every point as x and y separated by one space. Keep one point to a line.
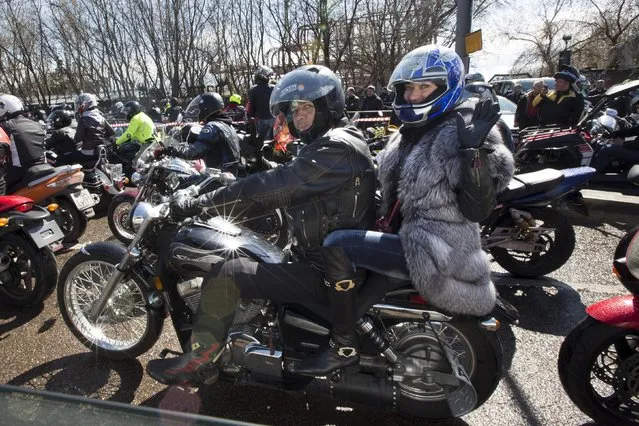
39 352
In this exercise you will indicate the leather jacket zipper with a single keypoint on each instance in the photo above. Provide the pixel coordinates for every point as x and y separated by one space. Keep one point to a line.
357 182
304 228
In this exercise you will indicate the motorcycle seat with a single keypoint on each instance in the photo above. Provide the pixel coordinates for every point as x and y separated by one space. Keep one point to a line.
53 171
527 184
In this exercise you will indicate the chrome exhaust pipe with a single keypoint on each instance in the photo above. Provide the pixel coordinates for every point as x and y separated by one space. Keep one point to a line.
392 311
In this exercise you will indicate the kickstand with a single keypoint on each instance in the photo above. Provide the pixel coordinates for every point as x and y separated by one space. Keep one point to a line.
165 352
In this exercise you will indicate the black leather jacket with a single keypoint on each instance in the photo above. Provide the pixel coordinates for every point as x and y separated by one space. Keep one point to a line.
330 185
217 143
258 101
93 130
27 147
62 141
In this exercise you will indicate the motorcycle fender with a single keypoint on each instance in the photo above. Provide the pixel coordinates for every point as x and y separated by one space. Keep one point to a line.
622 311
103 248
107 183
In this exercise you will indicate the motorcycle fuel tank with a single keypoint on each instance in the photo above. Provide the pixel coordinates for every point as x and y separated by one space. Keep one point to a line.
197 247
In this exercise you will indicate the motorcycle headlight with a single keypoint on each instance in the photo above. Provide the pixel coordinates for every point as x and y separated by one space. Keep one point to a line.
140 214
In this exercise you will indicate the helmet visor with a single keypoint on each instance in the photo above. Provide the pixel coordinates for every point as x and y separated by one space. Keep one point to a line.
420 92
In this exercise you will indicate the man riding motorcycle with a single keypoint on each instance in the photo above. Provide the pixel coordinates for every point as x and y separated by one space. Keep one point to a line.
330 185
27 139
217 142
138 135
62 138
93 130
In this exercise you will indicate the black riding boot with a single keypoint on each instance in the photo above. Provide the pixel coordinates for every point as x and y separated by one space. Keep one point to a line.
342 298
197 367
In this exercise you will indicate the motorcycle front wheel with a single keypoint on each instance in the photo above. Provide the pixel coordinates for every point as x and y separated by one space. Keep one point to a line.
552 247
118 217
599 370
126 328
28 275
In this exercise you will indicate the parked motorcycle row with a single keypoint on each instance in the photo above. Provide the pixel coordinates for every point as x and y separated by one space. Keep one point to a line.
416 359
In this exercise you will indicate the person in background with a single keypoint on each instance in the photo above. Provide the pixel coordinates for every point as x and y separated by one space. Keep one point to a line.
93 129
258 102
516 95
562 106
154 111
371 101
352 101
62 138
234 109
527 114
174 113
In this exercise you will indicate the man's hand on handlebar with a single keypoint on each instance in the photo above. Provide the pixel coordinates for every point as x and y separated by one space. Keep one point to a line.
185 206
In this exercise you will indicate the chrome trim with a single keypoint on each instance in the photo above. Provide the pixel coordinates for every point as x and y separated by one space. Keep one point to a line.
392 311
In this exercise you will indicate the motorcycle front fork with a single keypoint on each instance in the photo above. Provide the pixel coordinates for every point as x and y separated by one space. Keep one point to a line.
130 258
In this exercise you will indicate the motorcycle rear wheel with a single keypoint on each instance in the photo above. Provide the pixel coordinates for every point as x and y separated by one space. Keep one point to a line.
81 280
483 365
31 274
72 221
598 369
559 246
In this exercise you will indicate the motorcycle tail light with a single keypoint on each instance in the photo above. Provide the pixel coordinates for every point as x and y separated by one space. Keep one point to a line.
584 147
23 208
417 299
615 272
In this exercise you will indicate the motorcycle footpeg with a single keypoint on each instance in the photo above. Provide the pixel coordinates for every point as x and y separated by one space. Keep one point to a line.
166 352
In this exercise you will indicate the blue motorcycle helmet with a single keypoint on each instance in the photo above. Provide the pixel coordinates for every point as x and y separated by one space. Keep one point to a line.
435 64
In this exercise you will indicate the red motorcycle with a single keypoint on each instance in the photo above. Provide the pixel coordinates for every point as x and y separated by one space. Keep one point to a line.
28 237
599 359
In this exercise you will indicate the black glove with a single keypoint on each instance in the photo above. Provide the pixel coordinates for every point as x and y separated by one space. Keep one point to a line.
485 116
183 207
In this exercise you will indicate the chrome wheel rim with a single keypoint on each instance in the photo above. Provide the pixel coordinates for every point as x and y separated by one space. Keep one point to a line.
124 321
120 218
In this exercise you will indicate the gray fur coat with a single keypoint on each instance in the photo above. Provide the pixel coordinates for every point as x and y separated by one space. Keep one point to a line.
443 249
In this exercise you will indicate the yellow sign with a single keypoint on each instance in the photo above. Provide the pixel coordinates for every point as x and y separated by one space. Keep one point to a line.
473 42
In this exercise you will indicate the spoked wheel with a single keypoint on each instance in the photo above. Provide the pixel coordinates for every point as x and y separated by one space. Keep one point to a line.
599 369
118 218
549 245
477 352
26 274
126 328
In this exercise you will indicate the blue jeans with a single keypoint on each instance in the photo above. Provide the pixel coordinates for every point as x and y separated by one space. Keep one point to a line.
376 251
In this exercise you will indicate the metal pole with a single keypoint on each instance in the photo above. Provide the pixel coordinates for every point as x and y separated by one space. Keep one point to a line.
464 22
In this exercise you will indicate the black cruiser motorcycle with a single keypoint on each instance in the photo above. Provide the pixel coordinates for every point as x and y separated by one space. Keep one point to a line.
416 359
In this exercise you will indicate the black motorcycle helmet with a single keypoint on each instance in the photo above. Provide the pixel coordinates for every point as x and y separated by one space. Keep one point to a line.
60 118
202 106
313 83
131 109
263 74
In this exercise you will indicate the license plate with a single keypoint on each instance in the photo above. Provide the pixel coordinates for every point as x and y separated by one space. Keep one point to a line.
83 199
46 233
115 170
